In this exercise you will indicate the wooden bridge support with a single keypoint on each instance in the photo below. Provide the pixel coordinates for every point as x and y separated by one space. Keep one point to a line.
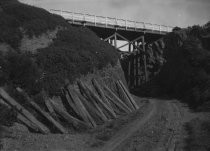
137 63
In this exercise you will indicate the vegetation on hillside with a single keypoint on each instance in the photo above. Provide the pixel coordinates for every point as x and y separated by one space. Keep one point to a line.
186 73
74 52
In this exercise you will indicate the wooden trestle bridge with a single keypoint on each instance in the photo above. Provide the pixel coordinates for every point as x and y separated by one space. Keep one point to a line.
136 36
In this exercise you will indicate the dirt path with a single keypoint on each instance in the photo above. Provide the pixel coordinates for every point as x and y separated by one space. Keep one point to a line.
161 129
129 130
156 126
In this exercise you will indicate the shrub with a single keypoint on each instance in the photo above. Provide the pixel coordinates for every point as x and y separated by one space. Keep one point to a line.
20 70
75 51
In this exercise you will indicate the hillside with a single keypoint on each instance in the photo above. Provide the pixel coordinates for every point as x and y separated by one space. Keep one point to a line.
41 53
63 57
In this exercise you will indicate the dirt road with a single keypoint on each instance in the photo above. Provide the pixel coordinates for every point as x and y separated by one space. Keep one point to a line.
156 126
159 130
129 130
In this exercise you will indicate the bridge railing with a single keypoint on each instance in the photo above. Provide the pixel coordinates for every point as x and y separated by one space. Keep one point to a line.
109 21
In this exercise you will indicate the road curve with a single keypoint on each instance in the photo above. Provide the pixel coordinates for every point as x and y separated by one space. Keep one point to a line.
129 130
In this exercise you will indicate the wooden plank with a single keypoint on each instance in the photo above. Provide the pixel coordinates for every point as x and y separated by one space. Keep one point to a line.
27 122
22 119
50 108
145 59
123 96
71 103
80 105
42 128
70 119
87 93
104 107
58 126
103 97
118 101
129 95
90 107
115 106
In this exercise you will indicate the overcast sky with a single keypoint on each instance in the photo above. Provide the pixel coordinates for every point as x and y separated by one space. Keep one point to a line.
168 12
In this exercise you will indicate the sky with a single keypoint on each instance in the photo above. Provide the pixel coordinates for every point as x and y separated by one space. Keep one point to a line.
180 13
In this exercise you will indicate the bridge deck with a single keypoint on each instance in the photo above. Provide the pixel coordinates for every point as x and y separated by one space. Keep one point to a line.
113 23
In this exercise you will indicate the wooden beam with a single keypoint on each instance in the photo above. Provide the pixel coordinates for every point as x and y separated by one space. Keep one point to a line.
100 101
129 73
84 113
76 106
22 119
115 40
117 101
57 125
112 36
118 110
70 102
47 116
85 102
70 119
124 97
129 95
90 108
122 37
50 108
131 42
103 97
27 123
145 61
42 128
88 95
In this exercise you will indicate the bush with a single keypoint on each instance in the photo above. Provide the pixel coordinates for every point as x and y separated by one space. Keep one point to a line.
75 52
20 70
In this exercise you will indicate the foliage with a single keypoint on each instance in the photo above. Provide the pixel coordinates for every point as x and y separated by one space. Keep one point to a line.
75 51
19 70
186 73
17 19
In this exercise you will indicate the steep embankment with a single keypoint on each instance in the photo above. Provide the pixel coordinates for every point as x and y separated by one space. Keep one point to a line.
41 53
